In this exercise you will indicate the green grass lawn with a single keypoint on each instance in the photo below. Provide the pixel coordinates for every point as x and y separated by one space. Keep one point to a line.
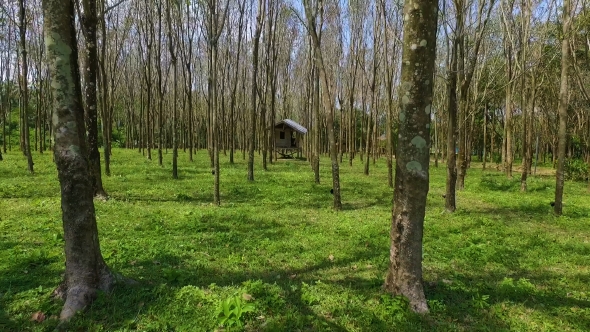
502 262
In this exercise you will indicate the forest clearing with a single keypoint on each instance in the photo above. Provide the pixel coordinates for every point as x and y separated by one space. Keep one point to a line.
502 262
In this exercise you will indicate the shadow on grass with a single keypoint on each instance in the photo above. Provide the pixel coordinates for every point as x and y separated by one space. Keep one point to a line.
371 196
464 307
26 275
471 296
296 314
528 211
499 182
312 197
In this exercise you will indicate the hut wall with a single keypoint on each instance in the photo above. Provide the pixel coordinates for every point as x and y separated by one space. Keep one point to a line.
283 143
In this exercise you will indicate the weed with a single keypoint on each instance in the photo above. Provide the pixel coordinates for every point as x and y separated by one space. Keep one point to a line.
231 312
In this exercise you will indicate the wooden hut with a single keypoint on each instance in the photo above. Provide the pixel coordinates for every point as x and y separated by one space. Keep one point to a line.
288 136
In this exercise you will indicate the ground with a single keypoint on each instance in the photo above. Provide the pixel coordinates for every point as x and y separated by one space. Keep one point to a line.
280 259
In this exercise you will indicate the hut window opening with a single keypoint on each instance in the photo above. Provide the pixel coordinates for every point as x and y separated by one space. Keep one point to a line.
282 135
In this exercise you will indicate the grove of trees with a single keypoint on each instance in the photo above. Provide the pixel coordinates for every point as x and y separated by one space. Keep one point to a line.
215 74
503 82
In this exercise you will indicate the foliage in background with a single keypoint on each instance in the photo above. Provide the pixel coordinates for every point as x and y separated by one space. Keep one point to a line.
576 170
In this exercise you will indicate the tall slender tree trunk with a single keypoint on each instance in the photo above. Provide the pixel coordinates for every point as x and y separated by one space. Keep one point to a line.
352 115
450 203
528 110
462 144
485 137
326 96
242 7
189 89
175 94
216 133
25 85
562 108
389 85
368 140
5 101
3 114
316 122
507 152
254 91
89 24
404 276
273 80
106 120
160 88
341 132
37 114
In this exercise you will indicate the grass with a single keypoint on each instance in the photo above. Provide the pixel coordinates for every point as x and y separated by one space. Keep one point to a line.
502 262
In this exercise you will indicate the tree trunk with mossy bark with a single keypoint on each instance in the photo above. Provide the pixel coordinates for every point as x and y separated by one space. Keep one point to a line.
411 175
86 271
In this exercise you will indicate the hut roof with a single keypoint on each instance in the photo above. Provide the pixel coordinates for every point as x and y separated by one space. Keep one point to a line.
293 125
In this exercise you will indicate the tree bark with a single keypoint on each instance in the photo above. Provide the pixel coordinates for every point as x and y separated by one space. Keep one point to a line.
5 96
175 94
368 138
232 147
316 123
507 152
89 24
411 177
450 203
161 87
86 271
389 86
485 137
25 86
326 97
106 118
528 110
562 109
254 91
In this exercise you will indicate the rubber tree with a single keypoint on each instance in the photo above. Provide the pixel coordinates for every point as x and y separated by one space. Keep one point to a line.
311 13
413 156
215 22
507 8
86 271
89 25
562 108
24 86
450 202
254 91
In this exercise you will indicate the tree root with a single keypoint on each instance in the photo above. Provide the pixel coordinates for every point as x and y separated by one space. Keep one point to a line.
101 196
419 306
79 297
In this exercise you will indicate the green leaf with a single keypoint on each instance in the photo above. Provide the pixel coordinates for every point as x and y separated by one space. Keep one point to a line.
248 308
